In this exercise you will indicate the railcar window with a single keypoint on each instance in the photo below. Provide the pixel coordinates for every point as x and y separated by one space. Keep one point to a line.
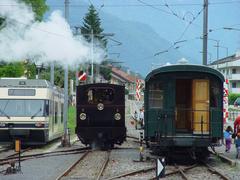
47 107
56 113
21 92
62 113
156 95
22 107
100 95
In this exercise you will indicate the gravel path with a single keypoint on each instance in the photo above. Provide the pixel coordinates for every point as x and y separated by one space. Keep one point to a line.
123 161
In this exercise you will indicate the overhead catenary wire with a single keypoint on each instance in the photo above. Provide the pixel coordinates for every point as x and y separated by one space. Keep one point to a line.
184 31
166 12
139 5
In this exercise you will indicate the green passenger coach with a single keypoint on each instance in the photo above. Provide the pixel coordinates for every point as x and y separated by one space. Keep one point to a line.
183 108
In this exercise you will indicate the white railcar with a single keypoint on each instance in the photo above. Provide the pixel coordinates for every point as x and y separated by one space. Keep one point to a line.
30 110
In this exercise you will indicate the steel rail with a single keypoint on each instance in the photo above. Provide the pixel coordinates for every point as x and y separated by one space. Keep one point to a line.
183 169
29 157
67 171
4 149
46 153
104 166
214 171
132 173
183 174
16 154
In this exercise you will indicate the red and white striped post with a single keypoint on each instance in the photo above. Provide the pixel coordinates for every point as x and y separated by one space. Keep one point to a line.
225 102
82 76
138 84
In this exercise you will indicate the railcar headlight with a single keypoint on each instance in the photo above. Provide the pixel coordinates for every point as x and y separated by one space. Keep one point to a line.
2 124
39 124
83 116
117 116
100 106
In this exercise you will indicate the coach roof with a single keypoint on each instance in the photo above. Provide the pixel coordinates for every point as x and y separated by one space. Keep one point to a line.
185 68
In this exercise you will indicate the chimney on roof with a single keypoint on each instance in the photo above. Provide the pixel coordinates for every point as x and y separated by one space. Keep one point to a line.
183 61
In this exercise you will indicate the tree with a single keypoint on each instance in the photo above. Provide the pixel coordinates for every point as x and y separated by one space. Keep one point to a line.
91 23
105 70
39 7
15 69
58 75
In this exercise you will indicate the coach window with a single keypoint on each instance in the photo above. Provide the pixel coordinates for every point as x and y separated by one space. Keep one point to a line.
156 95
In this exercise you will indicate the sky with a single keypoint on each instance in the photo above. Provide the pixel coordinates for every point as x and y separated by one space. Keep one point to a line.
222 13
166 18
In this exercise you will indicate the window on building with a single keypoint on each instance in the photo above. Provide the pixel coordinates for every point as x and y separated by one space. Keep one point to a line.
234 85
233 71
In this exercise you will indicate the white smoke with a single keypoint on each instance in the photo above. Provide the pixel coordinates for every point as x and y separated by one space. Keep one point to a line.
50 40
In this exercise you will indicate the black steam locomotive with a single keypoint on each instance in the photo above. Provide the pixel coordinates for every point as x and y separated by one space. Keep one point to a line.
101 114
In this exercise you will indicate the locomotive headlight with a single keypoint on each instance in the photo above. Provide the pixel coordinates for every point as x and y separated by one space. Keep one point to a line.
100 106
83 116
117 116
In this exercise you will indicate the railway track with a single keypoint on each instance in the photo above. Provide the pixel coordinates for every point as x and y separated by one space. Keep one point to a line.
5 148
91 170
190 172
13 157
128 174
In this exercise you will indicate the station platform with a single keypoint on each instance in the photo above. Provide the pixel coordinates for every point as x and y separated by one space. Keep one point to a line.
230 156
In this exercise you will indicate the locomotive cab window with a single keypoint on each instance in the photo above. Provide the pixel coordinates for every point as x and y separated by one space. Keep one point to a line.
99 95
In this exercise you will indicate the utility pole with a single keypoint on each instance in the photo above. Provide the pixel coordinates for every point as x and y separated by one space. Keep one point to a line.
77 66
92 54
52 73
205 31
65 139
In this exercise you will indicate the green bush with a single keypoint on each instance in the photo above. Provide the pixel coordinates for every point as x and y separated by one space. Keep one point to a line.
232 97
72 119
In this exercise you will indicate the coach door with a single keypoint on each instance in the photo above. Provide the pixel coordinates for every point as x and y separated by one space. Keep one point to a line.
200 106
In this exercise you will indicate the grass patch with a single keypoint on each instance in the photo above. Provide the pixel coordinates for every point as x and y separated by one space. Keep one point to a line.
72 119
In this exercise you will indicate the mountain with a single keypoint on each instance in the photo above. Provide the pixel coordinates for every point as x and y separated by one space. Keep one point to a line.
139 41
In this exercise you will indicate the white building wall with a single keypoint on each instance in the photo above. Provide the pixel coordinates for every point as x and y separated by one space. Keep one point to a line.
227 69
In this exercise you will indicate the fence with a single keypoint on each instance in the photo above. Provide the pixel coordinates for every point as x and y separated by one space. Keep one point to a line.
233 114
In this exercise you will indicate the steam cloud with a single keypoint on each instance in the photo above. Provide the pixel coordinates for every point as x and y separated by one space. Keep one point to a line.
52 40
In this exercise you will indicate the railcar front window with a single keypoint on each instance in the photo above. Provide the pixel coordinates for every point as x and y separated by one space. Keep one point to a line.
100 95
156 95
23 107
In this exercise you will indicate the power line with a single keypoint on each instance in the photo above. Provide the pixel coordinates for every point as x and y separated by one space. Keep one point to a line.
117 5
136 5
224 2
173 12
184 31
166 12
42 30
